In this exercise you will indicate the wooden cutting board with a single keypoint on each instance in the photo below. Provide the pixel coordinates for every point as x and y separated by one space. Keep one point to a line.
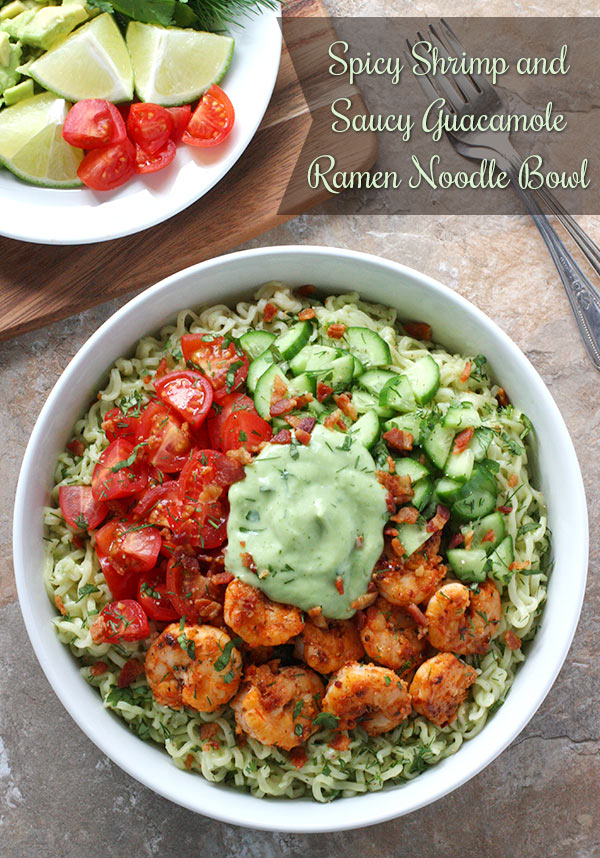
42 283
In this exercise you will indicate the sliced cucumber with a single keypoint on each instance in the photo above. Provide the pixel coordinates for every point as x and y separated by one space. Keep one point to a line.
492 523
438 444
459 466
407 467
364 401
461 415
397 394
468 565
304 383
480 442
423 491
374 380
337 375
264 390
366 429
256 343
369 347
259 366
407 423
477 497
358 367
293 340
412 537
501 559
314 357
424 378
448 490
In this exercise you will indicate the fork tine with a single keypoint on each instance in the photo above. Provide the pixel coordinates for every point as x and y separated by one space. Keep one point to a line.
480 80
440 82
466 86
424 81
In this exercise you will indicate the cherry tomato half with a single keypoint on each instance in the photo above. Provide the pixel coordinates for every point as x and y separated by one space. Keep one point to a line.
188 392
168 441
120 471
128 546
123 620
218 358
208 467
211 121
79 507
119 425
152 163
121 585
149 125
219 413
154 597
161 505
180 116
93 123
107 168
244 429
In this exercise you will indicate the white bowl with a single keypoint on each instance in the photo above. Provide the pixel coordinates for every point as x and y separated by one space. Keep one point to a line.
459 326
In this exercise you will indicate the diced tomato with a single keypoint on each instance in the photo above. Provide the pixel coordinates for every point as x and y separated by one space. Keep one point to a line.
108 168
208 467
128 546
189 588
212 119
154 597
244 429
189 393
93 123
161 505
181 117
80 508
122 586
218 358
123 620
168 440
120 471
119 425
221 410
146 162
202 481
149 126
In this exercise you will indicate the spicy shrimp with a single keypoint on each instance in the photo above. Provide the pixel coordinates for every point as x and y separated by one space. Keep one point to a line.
411 580
463 620
327 649
439 687
278 706
258 620
369 695
390 637
195 666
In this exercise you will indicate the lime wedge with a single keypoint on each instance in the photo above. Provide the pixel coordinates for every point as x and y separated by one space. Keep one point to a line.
90 63
174 66
32 145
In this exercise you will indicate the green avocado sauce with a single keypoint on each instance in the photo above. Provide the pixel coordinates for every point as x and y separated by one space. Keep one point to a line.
309 515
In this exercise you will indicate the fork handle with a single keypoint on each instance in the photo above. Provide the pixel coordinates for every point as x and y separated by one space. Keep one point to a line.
582 296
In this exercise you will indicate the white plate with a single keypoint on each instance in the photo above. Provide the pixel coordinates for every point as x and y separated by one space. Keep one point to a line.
83 216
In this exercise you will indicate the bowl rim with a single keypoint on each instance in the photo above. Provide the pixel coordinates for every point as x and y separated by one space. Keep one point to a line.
322 817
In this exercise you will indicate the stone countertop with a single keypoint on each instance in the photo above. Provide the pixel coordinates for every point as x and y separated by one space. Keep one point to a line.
59 796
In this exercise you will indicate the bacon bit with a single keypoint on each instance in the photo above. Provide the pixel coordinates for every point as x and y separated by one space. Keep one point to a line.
439 520
298 757
505 510
390 531
303 399
317 618
292 419
462 440
284 436
147 379
456 540
240 454
248 561
360 619
391 465
344 403
390 503
76 446
513 480
340 742
306 290
161 369
98 668
60 605
517 566
335 419
490 536
306 424
130 672
211 746
398 439
269 312
189 761
364 601
241 738
77 540
279 388
469 539
397 547
466 371
323 391
209 731
339 585
407 515
282 406
511 640
308 313
315 612
303 436
418 330
502 397
417 614
398 486
336 331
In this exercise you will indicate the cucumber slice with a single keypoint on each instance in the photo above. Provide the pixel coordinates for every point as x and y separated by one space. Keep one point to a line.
460 466
423 492
412 537
338 374
369 347
461 415
411 468
448 490
397 394
477 497
493 522
293 340
374 380
358 367
264 390
364 401
314 357
407 422
259 366
480 442
468 565
501 559
366 429
256 343
304 383
438 444
424 378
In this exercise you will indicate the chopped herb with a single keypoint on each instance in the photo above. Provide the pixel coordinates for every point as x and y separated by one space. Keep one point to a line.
527 528
242 436
128 462
326 720
298 729
299 705
230 377
223 660
132 402
86 590
81 522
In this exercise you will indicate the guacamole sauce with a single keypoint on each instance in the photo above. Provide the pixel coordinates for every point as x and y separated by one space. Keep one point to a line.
311 518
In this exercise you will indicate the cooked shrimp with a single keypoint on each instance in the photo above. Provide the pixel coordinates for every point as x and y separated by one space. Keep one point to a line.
412 580
195 666
389 636
439 686
277 705
258 620
327 649
463 620
367 694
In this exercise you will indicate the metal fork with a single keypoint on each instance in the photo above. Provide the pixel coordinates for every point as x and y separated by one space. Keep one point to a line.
474 95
